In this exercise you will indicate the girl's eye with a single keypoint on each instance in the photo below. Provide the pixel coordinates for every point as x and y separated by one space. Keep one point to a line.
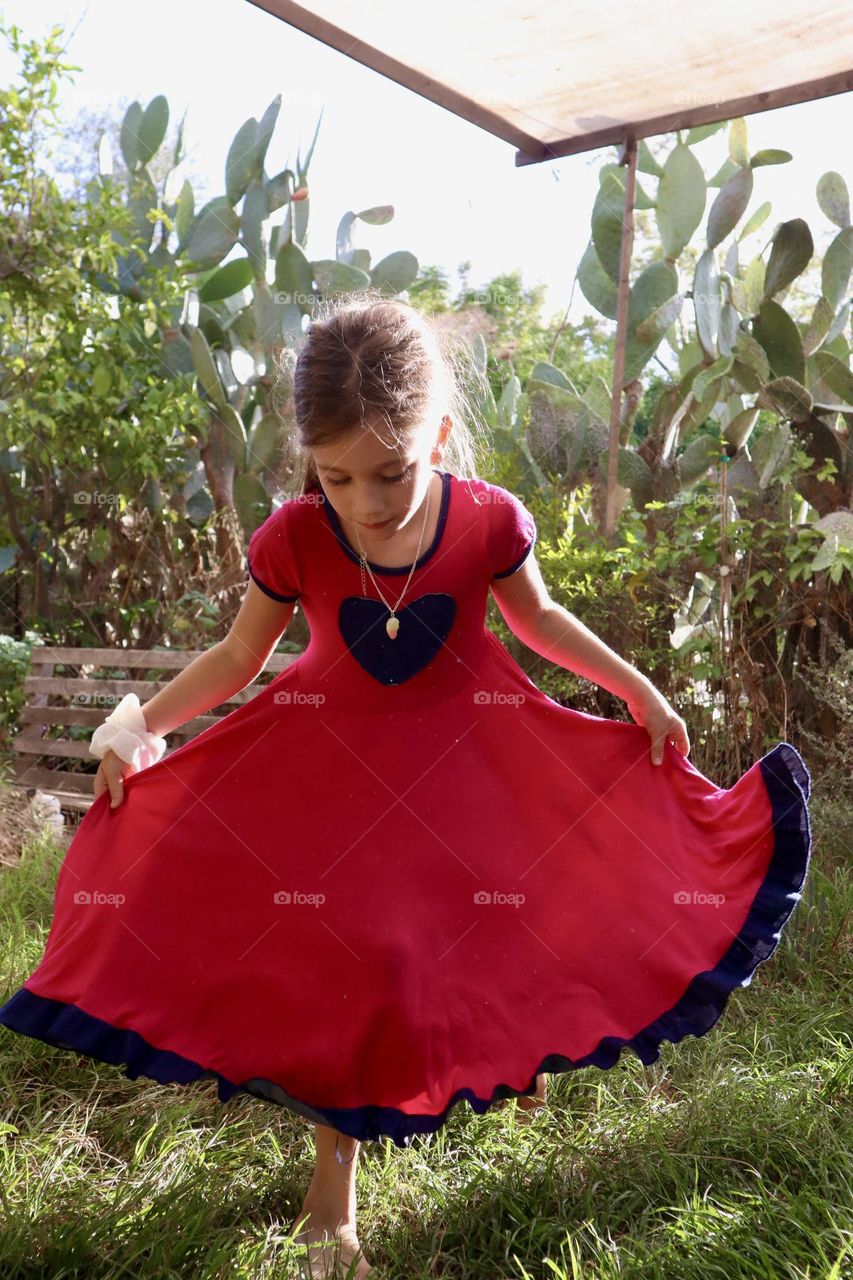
388 479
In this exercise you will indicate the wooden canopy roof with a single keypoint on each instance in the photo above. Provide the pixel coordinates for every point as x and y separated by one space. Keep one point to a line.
566 76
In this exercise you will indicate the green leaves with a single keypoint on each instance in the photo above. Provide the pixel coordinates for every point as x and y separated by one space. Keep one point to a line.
294 275
245 159
279 189
227 281
596 285
758 219
235 432
787 397
549 375
836 268
738 431
790 255
692 463
819 326
254 214
634 473
738 142
833 198
706 301
184 211
706 378
335 277
213 233
205 367
378 215
751 367
729 206
264 440
779 336
607 217
395 272
681 199
152 129
837 528
836 375
240 161
142 132
770 156
649 316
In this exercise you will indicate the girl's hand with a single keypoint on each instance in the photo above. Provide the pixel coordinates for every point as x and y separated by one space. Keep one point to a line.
110 777
651 709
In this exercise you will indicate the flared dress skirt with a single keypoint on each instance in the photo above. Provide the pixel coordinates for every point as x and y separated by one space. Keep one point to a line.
401 875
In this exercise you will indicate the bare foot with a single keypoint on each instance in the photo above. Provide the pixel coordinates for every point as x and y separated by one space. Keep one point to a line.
330 1253
527 1105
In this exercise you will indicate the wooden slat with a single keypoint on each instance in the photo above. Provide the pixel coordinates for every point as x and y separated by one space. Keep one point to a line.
32 775
116 688
122 658
75 791
78 804
72 801
65 747
28 744
94 716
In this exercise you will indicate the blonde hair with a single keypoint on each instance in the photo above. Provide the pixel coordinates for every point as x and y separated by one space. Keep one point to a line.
364 359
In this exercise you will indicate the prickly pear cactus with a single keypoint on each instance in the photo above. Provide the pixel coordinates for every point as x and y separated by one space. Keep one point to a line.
250 284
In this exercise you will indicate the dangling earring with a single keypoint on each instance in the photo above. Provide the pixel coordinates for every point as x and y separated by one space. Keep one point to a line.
436 450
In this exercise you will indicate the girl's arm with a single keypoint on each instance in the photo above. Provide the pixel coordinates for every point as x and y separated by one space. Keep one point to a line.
224 668
554 633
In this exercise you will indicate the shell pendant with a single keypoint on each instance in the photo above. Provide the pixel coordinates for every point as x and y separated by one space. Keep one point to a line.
392 626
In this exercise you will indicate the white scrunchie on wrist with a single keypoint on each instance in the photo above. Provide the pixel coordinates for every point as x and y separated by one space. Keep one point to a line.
124 732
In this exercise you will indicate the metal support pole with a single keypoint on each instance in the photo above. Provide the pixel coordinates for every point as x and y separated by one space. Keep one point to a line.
627 155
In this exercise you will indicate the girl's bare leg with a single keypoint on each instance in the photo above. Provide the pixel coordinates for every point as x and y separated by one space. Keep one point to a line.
328 1210
535 1102
530 1104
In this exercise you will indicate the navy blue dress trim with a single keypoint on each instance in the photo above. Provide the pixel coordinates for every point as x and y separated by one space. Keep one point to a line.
504 573
381 568
788 785
268 591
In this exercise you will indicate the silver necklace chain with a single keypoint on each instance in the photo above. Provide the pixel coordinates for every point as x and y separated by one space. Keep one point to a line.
392 622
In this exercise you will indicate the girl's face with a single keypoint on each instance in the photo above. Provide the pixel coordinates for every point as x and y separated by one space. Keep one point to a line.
373 484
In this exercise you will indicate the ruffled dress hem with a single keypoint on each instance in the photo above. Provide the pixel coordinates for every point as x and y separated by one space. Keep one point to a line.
695 1013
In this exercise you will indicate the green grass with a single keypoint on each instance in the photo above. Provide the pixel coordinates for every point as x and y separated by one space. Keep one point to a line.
730 1157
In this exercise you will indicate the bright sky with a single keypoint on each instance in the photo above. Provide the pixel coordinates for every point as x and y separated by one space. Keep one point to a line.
456 190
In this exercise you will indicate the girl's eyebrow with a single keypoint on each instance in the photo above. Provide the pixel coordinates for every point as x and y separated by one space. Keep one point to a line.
393 462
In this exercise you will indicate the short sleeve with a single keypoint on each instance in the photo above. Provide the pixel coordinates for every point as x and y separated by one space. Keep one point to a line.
512 532
271 558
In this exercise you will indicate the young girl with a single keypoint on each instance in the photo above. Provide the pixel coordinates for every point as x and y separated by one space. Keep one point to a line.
401 875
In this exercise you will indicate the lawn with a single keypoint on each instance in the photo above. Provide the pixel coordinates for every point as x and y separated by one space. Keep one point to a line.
729 1157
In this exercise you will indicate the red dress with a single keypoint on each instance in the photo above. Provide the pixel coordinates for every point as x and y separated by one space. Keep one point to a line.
402 875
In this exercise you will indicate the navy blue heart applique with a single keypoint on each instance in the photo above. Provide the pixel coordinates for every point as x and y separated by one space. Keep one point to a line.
424 626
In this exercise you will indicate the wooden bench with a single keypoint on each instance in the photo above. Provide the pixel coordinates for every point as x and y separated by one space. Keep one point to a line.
62 710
